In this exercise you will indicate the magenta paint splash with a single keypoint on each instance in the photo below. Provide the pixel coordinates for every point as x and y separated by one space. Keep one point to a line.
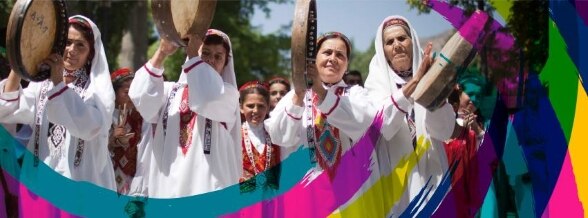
321 196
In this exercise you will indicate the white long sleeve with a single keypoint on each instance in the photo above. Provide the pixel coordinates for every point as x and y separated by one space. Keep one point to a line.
440 123
80 116
395 109
18 106
285 122
351 114
148 92
209 96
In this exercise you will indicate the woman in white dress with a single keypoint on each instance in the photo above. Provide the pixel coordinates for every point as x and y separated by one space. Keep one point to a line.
328 118
70 113
196 142
395 70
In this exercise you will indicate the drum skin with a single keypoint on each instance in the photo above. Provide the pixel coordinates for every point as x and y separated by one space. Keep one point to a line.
175 19
36 29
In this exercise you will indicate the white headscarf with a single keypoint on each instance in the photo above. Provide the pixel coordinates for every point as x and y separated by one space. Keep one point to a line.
381 80
100 84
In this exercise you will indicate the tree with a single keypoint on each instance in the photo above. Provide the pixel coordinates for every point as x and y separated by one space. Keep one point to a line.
111 17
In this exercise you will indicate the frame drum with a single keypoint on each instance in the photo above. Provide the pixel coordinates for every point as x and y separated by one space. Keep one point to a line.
304 31
175 19
36 28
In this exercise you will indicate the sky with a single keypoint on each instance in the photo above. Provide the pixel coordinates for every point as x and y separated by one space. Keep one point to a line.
358 19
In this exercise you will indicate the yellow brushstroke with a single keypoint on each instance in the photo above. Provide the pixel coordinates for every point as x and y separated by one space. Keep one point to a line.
379 199
503 8
578 146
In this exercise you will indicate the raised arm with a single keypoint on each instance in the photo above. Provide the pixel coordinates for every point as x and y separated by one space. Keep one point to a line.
147 90
285 122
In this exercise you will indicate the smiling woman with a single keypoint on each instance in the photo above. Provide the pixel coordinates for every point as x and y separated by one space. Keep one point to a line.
329 118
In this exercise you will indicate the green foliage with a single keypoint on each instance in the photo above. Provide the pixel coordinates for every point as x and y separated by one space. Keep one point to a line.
256 56
360 60
529 25
110 17
172 64
5 9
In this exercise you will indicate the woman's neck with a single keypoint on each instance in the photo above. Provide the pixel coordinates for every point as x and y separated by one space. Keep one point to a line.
69 76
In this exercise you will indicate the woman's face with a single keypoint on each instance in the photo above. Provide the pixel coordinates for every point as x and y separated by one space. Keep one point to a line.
397 48
215 55
277 92
77 50
254 108
122 95
466 103
331 60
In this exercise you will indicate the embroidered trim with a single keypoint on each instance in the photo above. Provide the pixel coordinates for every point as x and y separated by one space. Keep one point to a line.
334 106
58 93
80 86
10 100
248 148
292 116
318 133
151 73
396 105
187 120
207 128
38 116
170 98
192 66
207 136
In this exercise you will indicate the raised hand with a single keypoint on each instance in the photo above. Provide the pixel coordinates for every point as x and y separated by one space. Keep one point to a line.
409 88
194 43
317 83
426 63
55 62
166 48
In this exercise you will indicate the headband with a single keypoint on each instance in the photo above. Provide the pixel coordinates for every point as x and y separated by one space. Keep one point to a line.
254 84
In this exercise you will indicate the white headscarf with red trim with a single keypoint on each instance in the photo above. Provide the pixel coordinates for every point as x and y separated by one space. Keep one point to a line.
382 79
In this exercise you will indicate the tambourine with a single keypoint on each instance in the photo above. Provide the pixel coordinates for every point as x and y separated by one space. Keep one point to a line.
176 19
455 56
304 32
36 29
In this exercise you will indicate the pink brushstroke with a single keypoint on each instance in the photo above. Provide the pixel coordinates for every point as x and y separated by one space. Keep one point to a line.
501 46
31 205
564 201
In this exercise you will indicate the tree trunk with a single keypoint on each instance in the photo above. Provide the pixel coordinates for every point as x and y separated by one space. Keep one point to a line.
133 53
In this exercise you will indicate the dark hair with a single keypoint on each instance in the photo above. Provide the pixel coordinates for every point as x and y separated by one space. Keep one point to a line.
214 39
334 35
254 90
88 34
118 83
279 80
353 73
453 97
